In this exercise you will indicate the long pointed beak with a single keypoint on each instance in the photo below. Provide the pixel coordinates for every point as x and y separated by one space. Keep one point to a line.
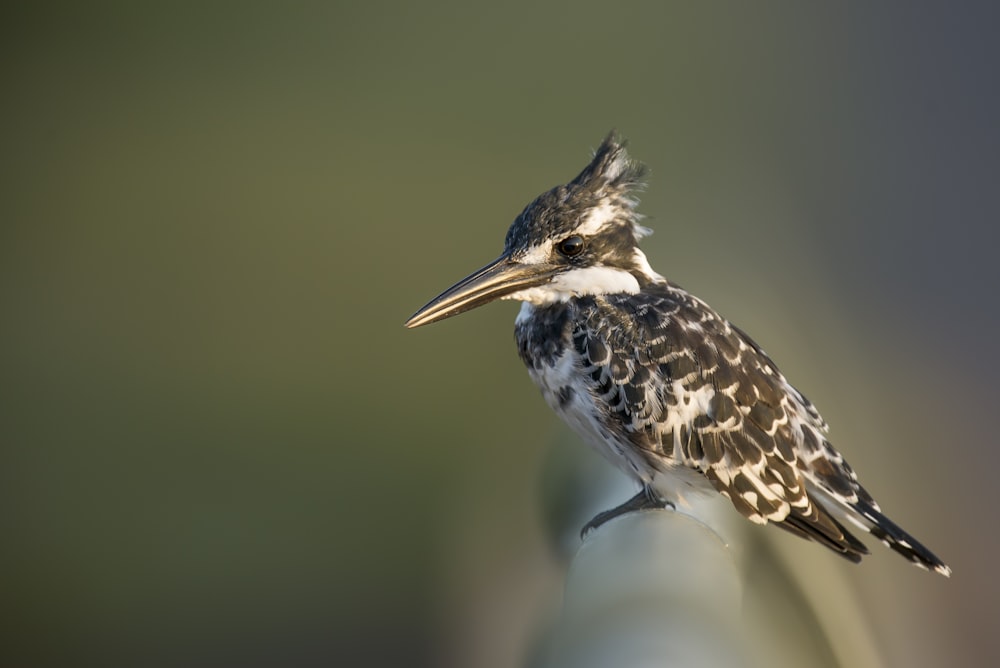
498 279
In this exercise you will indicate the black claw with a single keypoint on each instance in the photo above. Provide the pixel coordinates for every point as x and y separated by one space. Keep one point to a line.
646 499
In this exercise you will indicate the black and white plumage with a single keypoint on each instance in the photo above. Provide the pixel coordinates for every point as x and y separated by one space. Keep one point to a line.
655 379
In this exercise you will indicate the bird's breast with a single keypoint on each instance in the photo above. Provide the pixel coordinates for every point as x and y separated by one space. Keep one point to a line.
546 345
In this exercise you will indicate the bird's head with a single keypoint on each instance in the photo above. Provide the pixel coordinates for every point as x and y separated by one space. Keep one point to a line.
577 239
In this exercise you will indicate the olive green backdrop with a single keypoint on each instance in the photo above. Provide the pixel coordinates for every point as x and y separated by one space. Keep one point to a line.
220 446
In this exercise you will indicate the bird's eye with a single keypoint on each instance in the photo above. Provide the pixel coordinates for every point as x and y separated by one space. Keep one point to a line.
571 246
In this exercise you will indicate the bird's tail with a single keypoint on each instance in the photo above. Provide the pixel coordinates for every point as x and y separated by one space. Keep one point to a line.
893 536
815 523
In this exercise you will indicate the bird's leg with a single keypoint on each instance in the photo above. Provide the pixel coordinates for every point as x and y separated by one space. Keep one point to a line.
646 499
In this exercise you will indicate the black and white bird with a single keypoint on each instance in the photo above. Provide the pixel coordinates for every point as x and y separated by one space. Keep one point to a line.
655 379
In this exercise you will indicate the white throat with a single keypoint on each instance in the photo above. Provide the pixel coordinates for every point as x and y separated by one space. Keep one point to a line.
577 283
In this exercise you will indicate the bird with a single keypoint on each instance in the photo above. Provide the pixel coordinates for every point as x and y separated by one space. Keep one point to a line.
668 390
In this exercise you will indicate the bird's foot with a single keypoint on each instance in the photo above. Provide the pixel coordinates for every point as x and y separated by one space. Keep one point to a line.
646 499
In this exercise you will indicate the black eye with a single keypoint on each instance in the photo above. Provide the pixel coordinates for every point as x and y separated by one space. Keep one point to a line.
571 246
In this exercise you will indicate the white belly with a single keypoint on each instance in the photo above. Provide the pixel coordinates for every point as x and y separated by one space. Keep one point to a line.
672 480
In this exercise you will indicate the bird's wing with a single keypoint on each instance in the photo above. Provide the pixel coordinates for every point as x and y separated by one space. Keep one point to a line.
686 387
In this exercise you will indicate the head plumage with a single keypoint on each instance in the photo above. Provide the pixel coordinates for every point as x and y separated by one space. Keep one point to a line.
606 186
611 168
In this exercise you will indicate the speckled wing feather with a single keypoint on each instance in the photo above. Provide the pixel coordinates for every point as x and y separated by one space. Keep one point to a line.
688 389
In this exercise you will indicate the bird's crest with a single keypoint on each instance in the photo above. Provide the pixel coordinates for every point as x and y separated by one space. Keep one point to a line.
612 168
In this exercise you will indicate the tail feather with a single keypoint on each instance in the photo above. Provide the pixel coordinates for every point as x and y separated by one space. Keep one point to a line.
896 539
818 525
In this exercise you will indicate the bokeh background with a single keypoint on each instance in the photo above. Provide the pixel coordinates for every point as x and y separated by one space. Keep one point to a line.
221 447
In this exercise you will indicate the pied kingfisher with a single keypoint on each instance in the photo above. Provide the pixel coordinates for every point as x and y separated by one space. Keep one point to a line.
655 379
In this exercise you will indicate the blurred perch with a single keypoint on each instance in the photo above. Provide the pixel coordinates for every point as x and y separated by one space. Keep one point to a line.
661 588
650 589
694 587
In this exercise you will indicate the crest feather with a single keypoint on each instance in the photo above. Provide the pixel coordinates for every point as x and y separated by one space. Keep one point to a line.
612 167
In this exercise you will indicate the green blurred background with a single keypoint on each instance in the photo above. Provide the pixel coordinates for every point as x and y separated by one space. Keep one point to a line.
220 446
